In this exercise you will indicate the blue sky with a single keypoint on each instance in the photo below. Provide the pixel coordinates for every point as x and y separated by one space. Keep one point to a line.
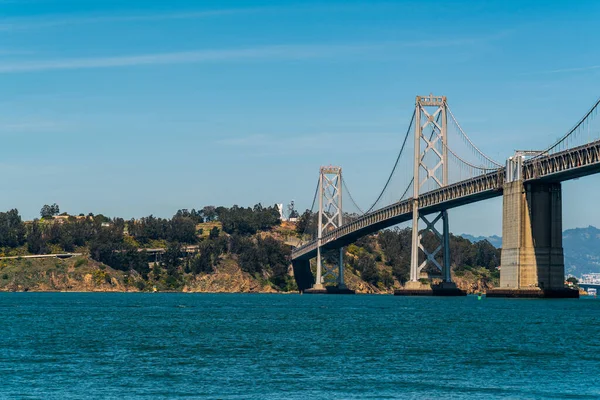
131 108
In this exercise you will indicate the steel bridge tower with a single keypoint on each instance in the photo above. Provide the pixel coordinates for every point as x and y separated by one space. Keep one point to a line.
430 168
330 217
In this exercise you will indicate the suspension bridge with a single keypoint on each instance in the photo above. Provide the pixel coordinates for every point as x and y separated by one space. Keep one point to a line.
438 168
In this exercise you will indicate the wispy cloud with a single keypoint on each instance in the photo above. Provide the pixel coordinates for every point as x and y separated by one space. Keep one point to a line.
564 70
57 20
50 21
283 52
32 127
464 40
11 52
576 69
273 52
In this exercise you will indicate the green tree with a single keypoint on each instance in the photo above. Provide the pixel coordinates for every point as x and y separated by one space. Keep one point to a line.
368 269
12 229
49 211
201 262
214 233
209 213
35 240
396 247
182 230
307 223
248 221
171 262
194 215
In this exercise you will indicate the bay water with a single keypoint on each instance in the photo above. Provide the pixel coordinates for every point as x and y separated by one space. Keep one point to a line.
255 346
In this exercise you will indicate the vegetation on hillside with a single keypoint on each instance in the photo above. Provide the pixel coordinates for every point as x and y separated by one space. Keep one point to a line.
175 253
188 252
385 256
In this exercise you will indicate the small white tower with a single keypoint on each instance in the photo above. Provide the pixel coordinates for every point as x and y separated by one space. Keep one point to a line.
280 209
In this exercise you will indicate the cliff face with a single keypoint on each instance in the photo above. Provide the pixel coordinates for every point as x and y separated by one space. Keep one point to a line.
356 283
473 285
475 280
82 274
227 278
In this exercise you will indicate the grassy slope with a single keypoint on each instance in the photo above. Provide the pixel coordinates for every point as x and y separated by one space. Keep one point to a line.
72 274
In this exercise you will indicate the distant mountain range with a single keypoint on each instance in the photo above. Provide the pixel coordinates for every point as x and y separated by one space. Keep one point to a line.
581 247
495 240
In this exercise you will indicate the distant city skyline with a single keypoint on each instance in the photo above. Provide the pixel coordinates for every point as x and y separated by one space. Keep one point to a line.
132 108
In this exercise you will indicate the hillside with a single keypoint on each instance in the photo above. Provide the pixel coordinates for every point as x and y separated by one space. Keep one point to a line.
582 250
75 274
217 249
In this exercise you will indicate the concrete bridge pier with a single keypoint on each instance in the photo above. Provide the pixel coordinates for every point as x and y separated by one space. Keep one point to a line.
303 274
532 263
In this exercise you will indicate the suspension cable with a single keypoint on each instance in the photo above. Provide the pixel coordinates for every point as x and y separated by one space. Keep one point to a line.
469 139
412 182
577 125
422 157
482 168
311 211
350 195
395 164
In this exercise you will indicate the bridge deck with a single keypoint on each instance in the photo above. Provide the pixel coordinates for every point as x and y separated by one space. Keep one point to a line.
461 193
568 164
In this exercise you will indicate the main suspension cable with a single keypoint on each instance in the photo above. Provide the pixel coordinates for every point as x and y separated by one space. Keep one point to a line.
469 139
350 196
311 209
577 125
395 164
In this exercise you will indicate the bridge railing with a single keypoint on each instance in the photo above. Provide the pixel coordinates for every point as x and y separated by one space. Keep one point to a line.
364 221
571 159
490 181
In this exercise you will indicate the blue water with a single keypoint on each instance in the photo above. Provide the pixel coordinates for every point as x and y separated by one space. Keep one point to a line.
149 346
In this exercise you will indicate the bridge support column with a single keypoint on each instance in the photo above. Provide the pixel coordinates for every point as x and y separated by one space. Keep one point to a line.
446 239
341 282
414 286
302 274
319 279
532 263
414 253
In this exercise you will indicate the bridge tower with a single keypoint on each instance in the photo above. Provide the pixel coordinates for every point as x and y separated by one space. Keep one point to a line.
330 217
431 170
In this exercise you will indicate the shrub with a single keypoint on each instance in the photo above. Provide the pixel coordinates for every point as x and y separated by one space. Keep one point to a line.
99 277
80 263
